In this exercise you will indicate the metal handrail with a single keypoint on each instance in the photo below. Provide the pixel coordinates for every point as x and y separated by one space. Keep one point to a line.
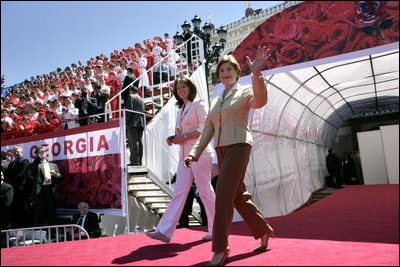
42 234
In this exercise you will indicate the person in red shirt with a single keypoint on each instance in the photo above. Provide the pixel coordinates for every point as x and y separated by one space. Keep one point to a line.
113 82
53 122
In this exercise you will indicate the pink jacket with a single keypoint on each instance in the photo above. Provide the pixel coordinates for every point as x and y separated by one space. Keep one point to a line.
193 118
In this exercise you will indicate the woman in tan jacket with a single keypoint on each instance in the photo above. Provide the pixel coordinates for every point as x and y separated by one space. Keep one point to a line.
227 123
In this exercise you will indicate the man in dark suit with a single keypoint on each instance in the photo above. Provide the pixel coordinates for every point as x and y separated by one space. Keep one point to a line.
334 169
135 126
7 195
129 78
45 176
15 175
85 107
88 220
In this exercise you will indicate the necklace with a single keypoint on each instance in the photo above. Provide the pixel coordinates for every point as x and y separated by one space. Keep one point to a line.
183 114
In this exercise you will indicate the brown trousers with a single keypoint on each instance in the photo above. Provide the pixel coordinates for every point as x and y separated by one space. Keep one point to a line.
231 193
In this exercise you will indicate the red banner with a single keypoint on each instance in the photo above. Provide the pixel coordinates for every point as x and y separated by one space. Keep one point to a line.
314 30
89 159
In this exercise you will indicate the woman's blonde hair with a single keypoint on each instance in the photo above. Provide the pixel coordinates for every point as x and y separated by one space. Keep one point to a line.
192 89
231 60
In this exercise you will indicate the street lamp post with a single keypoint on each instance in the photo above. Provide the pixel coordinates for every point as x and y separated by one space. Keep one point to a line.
211 52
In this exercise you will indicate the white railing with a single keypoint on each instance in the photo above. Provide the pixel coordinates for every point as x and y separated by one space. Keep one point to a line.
42 234
154 94
184 65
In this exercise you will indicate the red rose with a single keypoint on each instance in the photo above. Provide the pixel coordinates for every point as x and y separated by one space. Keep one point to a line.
327 50
240 54
290 53
266 28
391 34
339 32
67 188
91 180
116 178
271 62
98 162
111 163
116 204
106 195
287 29
311 37
309 11
361 41
334 9
394 5
83 194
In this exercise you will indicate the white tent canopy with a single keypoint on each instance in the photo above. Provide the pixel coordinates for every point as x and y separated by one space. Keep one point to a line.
307 104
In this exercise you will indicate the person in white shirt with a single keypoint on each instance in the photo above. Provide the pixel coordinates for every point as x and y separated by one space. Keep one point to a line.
142 63
69 114
105 91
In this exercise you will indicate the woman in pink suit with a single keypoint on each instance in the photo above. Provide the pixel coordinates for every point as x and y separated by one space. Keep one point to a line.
191 117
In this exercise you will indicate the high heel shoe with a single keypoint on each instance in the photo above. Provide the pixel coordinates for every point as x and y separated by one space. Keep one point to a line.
223 260
264 240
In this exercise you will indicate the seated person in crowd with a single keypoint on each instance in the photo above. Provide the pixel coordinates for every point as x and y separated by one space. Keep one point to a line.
88 220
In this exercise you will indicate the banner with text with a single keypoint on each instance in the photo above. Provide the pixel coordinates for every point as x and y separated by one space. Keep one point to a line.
90 164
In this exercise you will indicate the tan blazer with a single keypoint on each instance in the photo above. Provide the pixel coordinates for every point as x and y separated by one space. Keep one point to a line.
227 121
193 118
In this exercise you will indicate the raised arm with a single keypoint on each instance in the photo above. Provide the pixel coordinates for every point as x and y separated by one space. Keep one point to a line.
260 96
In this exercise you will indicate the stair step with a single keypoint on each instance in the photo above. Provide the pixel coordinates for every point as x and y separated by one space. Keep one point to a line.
139 180
137 170
150 194
142 187
160 211
158 205
193 221
156 199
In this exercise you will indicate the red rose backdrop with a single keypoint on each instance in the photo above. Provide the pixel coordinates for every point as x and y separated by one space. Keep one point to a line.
90 163
95 180
320 29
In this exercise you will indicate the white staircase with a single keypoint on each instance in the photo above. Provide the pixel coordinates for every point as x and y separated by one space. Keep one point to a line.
147 191
154 195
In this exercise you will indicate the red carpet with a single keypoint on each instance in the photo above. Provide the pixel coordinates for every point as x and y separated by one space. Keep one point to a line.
356 226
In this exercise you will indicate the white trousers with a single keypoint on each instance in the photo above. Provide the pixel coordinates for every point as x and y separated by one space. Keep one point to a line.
201 173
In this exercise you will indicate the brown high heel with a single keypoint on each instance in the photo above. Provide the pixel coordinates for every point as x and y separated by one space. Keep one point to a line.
223 260
261 247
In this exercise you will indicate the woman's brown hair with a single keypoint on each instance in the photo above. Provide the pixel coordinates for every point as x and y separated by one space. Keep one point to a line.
192 89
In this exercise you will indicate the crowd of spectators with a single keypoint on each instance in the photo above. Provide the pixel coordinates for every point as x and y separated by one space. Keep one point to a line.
65 99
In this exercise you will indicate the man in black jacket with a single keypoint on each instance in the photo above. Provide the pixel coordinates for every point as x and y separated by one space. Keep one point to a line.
45 176
135 124
129 78
86 108
88 220
15 175
7 196
334 169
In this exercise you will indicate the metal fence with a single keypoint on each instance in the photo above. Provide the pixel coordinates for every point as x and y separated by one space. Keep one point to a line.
43 234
